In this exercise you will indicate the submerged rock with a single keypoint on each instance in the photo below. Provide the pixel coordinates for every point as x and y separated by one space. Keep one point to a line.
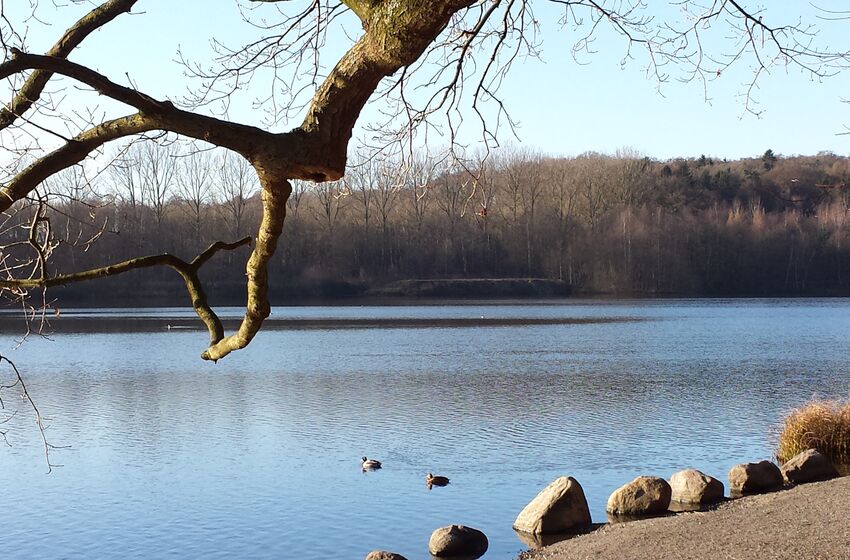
384 555
755 477
691 486
458 540
559 508
808 466
645 495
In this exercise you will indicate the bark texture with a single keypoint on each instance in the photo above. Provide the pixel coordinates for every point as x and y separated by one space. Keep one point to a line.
396 33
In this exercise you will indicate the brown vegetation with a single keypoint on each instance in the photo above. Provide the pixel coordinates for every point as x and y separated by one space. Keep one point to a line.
594 223
821 425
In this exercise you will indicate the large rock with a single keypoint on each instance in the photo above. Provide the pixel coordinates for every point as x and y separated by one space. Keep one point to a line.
808 466
691 486
755 477
384 555
644 495
457 540
559 508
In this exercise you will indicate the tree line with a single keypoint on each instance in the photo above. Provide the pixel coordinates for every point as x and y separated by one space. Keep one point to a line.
611 224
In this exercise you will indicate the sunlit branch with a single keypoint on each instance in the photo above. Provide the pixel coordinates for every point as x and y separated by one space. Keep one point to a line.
187 270
34 85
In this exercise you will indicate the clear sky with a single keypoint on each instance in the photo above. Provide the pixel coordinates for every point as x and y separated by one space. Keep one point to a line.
563 107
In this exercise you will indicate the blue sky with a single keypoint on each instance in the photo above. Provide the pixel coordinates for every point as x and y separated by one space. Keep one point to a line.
563 107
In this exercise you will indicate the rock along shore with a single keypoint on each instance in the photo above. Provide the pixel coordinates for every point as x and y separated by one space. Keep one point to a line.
803 522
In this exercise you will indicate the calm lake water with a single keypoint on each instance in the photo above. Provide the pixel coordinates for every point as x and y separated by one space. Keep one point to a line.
258 456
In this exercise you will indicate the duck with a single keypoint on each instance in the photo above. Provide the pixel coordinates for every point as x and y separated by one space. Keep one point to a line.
432 480
369 464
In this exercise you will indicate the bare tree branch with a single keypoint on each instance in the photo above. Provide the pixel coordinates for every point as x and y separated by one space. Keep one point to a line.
34 85
187 270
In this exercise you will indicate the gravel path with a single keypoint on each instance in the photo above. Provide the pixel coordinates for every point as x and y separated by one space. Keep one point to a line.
805 522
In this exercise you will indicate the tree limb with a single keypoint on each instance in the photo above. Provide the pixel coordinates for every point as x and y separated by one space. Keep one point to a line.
34 85
275 194
70 154
187 270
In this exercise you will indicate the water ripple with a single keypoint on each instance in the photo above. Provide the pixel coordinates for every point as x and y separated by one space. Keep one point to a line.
259 455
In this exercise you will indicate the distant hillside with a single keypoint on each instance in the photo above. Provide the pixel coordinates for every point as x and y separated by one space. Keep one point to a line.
600 224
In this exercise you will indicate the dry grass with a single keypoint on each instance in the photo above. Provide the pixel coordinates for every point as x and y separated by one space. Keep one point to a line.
821 425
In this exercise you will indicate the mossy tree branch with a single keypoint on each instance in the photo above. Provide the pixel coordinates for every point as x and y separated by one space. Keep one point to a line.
275 193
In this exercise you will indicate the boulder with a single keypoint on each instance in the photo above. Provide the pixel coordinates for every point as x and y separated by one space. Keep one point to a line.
808 466
457 540
755 477
691 486
644 495
559 508
384 555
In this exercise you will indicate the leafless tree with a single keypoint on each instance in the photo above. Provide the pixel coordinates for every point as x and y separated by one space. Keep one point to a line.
237 183
331 198
563 195
361 181
158 169
194 186
421 172
423 58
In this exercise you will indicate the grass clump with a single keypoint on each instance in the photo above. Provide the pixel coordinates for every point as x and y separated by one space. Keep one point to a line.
821 425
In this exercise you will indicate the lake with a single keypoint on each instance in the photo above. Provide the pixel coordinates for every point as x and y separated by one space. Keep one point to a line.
258 456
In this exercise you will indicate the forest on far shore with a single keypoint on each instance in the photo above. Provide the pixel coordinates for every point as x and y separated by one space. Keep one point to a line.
621 224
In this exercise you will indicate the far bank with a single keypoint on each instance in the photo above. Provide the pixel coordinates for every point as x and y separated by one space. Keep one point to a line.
137 289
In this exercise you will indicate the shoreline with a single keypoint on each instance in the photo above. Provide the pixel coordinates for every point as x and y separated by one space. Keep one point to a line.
806 521
409 291
407 301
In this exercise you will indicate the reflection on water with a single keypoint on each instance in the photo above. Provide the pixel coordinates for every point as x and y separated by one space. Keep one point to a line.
260 455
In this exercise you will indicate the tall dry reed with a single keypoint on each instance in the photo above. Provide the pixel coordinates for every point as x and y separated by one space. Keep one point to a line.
821 425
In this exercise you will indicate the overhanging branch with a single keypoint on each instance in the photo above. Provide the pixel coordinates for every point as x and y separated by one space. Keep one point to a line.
187 270
274 196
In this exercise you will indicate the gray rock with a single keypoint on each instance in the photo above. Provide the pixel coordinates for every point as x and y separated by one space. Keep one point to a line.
457 540
755 477
384 555
808 466
691 486
559 508
643 496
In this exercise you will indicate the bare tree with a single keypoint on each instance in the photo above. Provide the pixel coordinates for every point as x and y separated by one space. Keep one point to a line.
387 190
331 198
454 191
158 169
361 181
423 57
420 174
194 185
523 187
563 195
236 184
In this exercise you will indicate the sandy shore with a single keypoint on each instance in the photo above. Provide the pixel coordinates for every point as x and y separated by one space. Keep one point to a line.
806 522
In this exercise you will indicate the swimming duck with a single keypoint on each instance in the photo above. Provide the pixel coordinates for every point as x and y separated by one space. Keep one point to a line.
432 480
369 464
